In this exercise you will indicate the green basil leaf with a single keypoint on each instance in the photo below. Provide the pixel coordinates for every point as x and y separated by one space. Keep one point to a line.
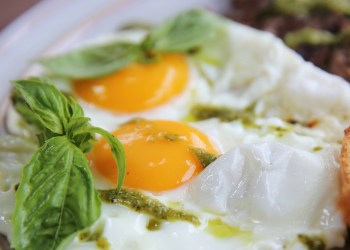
45 135
94 61
187 31
76 128
117 152
77 131
55 198
80 130
23 109
309 36
75 110
49 106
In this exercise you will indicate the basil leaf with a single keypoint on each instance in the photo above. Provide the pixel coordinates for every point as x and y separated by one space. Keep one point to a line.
45 135
82 139
93 61
115 145
49 106
77 123
117 152
55 198
187 31
23 109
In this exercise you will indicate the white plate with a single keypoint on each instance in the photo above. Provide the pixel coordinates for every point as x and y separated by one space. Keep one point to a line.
58 24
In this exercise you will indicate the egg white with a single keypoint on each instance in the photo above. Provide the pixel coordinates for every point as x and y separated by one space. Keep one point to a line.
257 69
252 75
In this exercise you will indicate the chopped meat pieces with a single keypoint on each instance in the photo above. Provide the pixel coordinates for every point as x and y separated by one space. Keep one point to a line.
263 14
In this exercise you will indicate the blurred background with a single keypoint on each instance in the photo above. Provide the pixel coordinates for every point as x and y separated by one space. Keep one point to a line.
319 30
10 9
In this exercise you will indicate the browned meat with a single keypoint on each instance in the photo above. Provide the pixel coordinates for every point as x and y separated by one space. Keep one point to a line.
340 63
247 11
280 25
318 55
334 58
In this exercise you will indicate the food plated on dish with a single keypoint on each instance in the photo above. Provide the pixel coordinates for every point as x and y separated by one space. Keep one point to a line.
196 133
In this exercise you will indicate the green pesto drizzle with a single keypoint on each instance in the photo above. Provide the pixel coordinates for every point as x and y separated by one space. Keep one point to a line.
304 7
96 236
312 242
317 148
144 204
154 224
279 131
172 137
309 36
204 157
221 229
224 114
155 137
313 36
164 136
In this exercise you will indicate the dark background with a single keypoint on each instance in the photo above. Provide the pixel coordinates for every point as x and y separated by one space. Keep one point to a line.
10 9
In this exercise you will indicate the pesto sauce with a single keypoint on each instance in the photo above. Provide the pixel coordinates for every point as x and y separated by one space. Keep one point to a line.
224 114
309 36
279 131
96 236
304 7
164 136
154 224
172 137
144 204
312 36
221 229
312 242
317 148
204 157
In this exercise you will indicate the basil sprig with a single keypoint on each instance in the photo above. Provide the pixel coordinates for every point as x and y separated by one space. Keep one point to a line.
56 196
92 61
186 32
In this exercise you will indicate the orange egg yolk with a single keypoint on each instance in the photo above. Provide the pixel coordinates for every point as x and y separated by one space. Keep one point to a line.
158 154
137 87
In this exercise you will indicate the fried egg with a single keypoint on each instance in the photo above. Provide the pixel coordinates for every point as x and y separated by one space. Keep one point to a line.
164 89
171 85
275 183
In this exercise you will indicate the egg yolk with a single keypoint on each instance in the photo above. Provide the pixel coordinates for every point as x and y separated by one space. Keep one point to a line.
158 154
137 87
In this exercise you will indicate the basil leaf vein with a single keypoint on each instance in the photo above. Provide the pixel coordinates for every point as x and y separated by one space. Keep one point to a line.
49 106
57 194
